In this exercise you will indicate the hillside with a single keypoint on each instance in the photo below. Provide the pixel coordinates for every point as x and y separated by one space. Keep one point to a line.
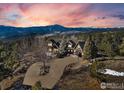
7 32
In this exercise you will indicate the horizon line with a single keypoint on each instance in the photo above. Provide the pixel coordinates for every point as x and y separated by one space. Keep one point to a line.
60 25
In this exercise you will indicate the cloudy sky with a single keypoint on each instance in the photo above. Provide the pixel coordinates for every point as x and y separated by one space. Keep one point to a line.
73 15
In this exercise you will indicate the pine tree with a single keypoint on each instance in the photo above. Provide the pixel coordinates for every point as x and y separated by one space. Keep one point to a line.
108 45
122 48
1 51
11 57
90 50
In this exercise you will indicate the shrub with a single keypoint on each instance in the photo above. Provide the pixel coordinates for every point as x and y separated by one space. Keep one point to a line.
37 86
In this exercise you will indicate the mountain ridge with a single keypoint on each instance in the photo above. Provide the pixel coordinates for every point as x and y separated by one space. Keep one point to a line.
10 31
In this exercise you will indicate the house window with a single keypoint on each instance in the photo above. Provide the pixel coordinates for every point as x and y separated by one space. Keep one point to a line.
55 50
82 53
78 46
49 44
69 45
50 49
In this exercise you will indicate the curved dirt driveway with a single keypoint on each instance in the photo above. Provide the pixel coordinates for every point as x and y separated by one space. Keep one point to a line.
49 80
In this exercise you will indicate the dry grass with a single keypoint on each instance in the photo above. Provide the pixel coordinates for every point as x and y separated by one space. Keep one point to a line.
117 65
78 81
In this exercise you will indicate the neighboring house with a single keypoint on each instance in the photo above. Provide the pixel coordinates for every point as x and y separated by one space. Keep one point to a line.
53 46
70 45
78 50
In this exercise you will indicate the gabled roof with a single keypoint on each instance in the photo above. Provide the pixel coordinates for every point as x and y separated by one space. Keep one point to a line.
81 44
52 40
72 42
58 44
55 44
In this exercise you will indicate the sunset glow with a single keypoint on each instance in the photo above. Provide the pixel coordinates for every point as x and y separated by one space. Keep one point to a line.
73 15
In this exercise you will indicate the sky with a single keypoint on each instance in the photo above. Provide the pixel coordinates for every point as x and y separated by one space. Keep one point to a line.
69 15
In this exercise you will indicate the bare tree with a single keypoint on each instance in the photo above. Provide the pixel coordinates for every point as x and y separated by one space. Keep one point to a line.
41 54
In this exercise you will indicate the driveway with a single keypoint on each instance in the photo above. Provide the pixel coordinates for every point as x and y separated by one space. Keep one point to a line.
57 67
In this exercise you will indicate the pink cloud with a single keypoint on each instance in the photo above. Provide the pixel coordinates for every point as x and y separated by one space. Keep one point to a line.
54 13
64 14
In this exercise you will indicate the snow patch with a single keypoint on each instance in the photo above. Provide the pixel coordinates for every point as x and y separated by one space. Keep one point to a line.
111 72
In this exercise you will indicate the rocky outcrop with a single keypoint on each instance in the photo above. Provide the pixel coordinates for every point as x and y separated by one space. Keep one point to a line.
9 81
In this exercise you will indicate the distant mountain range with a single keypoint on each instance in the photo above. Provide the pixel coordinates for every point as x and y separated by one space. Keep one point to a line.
7 32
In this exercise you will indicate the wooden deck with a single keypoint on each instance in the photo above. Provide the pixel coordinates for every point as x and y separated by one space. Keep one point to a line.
49 80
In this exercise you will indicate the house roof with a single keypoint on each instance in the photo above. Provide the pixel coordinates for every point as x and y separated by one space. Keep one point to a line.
81 44
72 42
52 40
55 44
